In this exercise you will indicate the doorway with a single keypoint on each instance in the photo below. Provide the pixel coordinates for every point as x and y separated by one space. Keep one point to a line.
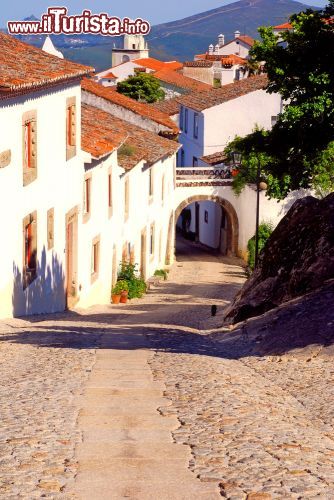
71 250
143 248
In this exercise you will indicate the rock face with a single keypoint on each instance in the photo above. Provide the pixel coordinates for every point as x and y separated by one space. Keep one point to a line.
297 259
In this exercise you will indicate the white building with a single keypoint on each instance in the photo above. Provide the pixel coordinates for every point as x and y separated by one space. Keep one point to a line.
240 45
122 71
133 47
209 121
70 213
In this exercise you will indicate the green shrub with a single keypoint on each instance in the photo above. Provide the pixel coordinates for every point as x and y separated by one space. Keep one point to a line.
121 286
136 285
265 230
162 273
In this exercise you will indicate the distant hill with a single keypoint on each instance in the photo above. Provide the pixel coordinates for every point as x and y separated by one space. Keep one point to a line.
183 38
179 39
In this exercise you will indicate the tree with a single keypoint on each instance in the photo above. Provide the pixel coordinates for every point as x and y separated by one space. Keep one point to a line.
298 151
142 87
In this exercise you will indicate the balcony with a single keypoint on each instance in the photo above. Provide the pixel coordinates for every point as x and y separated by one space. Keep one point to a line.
204 176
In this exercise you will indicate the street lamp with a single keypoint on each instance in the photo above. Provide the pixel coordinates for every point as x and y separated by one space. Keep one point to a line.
260 186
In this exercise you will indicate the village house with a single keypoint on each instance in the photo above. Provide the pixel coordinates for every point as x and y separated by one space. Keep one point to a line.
217 70
208 122
72 178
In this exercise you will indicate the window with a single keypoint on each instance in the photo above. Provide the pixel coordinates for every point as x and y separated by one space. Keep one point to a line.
110 194
181 117
195 125
150 183
206 216
152 240
50 228
186 121
29 142
126 198
29 249
71 132
87 198
274 120
195 161
182 157
95 261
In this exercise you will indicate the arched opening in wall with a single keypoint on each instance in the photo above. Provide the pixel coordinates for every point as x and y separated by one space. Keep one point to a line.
125 59
206 222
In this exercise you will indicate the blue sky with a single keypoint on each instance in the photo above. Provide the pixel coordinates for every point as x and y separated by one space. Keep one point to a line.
155 11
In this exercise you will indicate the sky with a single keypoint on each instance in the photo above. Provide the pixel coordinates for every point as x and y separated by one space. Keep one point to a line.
155 11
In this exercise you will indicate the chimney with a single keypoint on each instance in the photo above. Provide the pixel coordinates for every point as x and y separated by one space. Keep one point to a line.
237 34
217 49
221 40
211 49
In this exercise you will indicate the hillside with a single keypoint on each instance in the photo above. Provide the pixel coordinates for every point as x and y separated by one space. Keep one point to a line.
183 38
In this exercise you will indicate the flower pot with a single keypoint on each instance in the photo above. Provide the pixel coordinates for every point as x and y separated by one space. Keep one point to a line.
234 172
115 299
124 297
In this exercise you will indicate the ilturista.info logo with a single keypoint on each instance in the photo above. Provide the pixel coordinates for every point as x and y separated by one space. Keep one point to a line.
57 21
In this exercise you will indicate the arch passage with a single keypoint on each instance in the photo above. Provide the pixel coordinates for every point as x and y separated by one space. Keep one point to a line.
232 218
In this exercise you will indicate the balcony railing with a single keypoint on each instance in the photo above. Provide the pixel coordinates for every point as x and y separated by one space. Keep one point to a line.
204 175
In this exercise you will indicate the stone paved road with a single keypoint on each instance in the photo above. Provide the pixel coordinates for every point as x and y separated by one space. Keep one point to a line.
258 427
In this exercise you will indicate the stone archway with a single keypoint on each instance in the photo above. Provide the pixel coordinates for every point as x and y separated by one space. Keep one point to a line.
231 215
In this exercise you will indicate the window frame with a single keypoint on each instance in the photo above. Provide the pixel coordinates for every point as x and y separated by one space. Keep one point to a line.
30 149
186 118
95 258
29 272
87 198
196 125
71 127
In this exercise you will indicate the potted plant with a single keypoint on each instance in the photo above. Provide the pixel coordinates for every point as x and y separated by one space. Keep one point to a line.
119 289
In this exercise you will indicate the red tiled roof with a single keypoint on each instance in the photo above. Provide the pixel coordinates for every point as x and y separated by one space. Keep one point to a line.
181 81
198 64
140 108
96 137
215 158
25 67
102 132
284 26
230 59
109 75
213 97
156 65
169 106
247 39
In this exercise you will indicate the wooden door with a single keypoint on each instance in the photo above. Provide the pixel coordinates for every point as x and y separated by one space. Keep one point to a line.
71 257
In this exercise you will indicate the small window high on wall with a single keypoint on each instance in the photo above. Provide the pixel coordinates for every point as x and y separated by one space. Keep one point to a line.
71 132
29 146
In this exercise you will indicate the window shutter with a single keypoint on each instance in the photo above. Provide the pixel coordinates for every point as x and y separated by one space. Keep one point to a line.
73 125
33 144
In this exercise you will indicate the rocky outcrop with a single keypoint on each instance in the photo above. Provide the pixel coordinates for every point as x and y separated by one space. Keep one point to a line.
297 259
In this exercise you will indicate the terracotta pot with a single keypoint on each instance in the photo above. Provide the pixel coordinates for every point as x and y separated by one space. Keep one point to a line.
115 299
124 297
234 172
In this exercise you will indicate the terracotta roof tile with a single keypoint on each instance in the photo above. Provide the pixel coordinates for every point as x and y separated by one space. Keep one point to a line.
169 106
181 81
215 158
102 132
247 39
204 100
156 65
209 59
140 108
198 64
109 75
284 26
97 138
26 67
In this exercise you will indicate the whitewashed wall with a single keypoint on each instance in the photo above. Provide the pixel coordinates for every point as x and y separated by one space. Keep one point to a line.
58 185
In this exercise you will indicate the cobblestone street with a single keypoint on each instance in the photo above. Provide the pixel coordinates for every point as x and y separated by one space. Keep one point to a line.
80 393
